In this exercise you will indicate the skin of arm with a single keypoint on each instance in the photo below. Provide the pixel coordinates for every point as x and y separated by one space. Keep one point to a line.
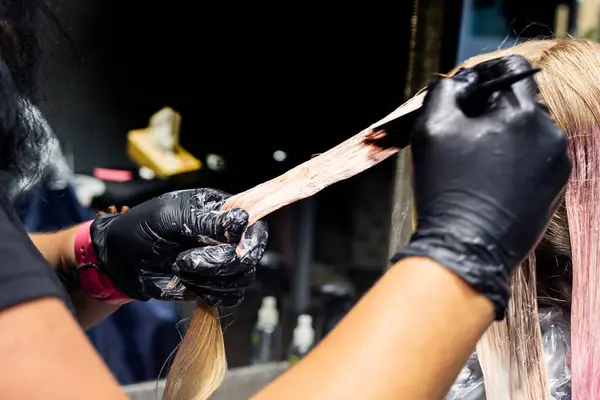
58 248
407 338
49 357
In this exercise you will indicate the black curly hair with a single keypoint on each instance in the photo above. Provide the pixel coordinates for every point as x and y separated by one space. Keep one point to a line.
24 133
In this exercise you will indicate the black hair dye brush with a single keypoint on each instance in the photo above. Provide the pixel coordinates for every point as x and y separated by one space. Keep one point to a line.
479 98
397 132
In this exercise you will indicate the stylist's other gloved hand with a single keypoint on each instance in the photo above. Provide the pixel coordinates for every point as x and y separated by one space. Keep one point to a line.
485 185
180 234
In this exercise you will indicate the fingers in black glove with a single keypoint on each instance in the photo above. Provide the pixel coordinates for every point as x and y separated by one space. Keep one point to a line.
206 261
224 259
219 266
486 185
223 291
218 299
194 217
252 246
220 227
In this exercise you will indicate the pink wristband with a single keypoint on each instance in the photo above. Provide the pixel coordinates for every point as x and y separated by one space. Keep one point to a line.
93 282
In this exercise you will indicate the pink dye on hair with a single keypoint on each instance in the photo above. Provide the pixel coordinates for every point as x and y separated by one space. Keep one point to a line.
583 210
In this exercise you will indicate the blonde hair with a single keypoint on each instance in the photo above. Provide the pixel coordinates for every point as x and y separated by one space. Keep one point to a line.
511 351
200 364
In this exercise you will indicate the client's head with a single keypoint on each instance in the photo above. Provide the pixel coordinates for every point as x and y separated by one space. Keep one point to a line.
568 256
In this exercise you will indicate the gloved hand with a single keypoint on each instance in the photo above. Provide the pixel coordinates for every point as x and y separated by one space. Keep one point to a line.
180 234
485 186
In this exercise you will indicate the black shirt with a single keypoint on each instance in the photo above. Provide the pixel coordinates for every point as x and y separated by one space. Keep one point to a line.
24 273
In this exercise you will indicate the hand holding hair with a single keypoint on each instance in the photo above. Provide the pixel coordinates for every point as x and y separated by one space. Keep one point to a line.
180 234
485 185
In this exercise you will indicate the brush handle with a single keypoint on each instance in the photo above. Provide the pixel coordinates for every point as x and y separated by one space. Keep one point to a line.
475 101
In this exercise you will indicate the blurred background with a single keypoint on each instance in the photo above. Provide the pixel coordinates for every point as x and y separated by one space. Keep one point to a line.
251 91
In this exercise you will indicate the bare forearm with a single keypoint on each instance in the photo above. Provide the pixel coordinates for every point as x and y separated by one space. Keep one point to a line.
58 248
49 357
406 339
90 311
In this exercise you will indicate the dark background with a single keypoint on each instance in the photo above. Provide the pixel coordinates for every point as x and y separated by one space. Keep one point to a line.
247 79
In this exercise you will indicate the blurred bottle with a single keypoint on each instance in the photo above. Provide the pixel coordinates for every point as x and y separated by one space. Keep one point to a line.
303 339
266 335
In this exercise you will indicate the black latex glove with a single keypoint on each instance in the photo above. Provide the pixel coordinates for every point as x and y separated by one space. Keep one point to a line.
485 186
180 234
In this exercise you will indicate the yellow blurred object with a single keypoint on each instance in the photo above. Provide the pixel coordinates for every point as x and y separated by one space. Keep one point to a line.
157 146
587 19
561 21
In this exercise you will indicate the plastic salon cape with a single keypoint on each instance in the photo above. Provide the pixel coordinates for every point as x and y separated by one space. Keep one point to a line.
556 336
